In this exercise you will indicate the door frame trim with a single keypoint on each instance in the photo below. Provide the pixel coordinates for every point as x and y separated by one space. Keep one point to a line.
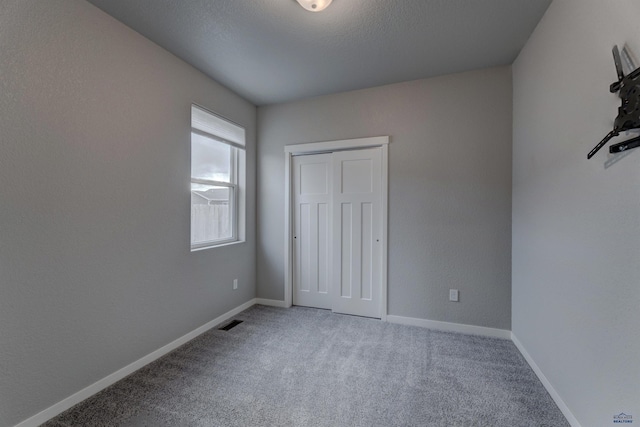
328 147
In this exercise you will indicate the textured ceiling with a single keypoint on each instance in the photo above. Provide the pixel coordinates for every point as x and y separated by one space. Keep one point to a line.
271 51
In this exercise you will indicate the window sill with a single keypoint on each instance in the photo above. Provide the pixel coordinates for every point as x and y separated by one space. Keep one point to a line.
218 245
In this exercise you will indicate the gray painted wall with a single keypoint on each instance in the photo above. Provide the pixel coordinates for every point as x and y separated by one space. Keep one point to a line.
95 268
449 188
576 222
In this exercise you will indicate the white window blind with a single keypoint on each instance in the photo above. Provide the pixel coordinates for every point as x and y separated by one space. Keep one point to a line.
213 125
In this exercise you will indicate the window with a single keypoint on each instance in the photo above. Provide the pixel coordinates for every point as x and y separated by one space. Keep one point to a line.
217 180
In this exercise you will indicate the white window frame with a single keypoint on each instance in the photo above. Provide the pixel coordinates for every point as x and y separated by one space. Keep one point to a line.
237 178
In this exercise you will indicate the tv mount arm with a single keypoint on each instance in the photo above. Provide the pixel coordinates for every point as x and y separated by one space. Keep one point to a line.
628 113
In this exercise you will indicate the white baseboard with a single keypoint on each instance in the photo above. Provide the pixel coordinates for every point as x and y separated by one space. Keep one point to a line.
105 382
271 302
451 327
545 382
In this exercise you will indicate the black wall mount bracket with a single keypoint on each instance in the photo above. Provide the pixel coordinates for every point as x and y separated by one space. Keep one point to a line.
626 145
628 88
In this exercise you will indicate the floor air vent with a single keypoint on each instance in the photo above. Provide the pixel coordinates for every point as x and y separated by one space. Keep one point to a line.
230 325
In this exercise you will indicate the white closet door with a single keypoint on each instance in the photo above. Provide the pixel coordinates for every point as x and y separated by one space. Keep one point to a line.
312 232
357 232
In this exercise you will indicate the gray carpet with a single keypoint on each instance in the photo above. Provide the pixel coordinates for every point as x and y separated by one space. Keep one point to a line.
308 367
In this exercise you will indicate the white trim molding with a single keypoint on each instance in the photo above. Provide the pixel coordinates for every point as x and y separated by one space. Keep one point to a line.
546 383
451 327
343 144
288 232
105 382
385 225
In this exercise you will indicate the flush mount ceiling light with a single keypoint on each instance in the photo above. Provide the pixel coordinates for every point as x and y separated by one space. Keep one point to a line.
314 5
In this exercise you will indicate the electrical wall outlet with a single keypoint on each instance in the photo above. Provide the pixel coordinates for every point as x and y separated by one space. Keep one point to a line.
235 284
453 295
